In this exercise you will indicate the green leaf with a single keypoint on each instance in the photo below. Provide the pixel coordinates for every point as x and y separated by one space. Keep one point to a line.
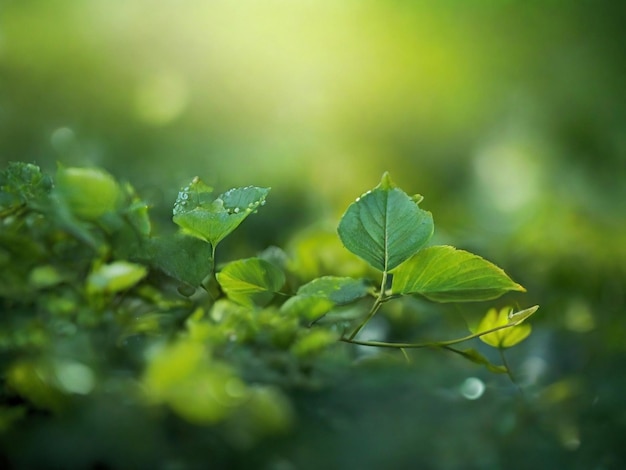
314 342
340 290
199 388
318 297
445 274
213 219
385 226
308 307
88 192
115 277
22 183
477 358
515 318
251 281
182 257
506 337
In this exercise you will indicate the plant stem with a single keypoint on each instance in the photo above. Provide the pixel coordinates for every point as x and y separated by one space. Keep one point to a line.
377 303
406 355
509 373
432 344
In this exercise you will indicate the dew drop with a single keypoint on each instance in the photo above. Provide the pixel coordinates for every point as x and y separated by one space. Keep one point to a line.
357 199
263 202
236 210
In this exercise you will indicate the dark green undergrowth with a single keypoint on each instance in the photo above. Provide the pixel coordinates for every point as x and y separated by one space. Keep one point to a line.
125 348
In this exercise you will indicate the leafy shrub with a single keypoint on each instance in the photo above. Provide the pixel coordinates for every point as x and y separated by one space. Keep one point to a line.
97 308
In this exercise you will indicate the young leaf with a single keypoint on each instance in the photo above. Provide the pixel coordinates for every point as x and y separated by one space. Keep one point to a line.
506 337
88 192
213 219
308 307
385 226
445 274
516 318
196 386
251 281
339 290
477 358
115 277
314 342
22 183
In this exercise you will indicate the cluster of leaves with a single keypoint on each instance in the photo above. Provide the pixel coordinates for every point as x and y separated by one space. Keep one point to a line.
93 302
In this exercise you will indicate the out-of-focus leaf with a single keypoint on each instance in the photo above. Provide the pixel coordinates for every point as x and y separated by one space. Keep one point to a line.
445 274
307 307
251 281
197 387
314 341
115 277
182 257
88 192
478 358
44 276
319 252
340 290
35 382
22 183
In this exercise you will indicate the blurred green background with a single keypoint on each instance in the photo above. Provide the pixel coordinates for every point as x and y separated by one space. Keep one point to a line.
508 116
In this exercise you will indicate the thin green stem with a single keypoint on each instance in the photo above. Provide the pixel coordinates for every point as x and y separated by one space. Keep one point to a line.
377 303
509 373
406 355
432 344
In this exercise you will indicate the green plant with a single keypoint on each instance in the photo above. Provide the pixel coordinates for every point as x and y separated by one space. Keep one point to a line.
94 301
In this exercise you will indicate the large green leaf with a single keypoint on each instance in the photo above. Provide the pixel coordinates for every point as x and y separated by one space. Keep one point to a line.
385 226
445 274
339 290
213 219
251 281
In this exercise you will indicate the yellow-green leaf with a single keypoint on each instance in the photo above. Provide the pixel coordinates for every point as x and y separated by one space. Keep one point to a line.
445 274
507 336
251 281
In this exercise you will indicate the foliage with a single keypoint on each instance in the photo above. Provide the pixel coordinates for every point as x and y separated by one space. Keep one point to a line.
97 305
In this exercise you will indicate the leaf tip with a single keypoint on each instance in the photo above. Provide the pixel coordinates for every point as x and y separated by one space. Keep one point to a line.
386 182
515 318
417 198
